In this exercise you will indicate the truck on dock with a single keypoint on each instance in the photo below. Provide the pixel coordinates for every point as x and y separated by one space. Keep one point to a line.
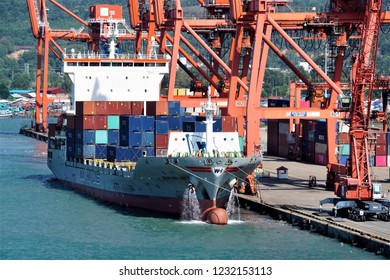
361 210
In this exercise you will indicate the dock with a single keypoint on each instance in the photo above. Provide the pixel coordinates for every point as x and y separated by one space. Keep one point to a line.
293 200
34 134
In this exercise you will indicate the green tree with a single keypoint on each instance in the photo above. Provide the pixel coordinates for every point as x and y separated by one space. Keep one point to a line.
4 91
21 81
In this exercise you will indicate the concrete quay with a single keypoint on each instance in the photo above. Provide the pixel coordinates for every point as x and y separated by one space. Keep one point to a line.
292 200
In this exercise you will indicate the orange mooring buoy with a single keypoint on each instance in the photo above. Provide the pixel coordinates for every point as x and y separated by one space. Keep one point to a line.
216 216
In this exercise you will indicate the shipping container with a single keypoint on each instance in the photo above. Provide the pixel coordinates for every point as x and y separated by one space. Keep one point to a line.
161 141
101 136
113 108
70 150
130 138
148 151
343 138
113 122
117 153
147 123
161 152
85 108
162 127
135 153
321 148
200 127
381 138
124 108
321 159
137 108
188 126
113 137
157 108
85 151
228 124
147 139
284 127
343 159
100 151
189 119
272 137
130 123
101 107
173 108
344 149
70 136
174 123
71 122
311 135
380 149
381 161
100 122
84 137
217 125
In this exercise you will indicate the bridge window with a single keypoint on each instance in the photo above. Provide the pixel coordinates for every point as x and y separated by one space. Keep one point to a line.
94 64
128 64
106 63
139 64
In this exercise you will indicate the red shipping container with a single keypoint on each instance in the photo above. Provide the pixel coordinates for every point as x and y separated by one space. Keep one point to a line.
71 121
380 149
137 108
381 161
101 107
113 108
381 138
343 138
161 141
85 108
100 122
228 124
85 122
124 108
157 108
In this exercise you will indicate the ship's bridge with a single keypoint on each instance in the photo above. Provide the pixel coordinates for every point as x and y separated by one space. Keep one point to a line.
126 77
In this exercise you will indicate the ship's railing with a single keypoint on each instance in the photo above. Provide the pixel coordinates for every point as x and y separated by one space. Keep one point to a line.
119 56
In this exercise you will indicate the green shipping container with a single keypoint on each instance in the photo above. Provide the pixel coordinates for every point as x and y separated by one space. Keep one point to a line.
344 150
241 142
113 122
101 136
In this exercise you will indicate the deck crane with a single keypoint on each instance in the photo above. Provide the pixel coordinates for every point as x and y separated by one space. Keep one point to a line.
357 196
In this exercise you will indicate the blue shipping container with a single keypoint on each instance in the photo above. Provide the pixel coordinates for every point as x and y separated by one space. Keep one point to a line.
188 119
132 139
70 150
162 127
85 137
217 126
174 123
148 151
117 153
188 126
173 108
113 137
200 127
130 123
148 138
147 123
135 153
101 151
343 159
84 151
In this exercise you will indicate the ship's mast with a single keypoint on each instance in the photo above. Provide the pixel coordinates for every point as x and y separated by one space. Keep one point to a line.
210 109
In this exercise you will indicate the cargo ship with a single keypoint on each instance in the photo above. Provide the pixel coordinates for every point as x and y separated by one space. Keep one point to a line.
123 143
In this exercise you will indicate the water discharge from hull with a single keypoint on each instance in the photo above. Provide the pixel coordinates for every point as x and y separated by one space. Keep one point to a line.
191 210
233 206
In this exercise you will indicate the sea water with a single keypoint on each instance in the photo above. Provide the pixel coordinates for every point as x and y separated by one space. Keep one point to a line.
42 220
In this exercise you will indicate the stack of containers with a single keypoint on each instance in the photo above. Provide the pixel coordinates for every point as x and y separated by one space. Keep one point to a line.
380 149
272 136
70 136
284 129
90 129
308 140
321 144
343 141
